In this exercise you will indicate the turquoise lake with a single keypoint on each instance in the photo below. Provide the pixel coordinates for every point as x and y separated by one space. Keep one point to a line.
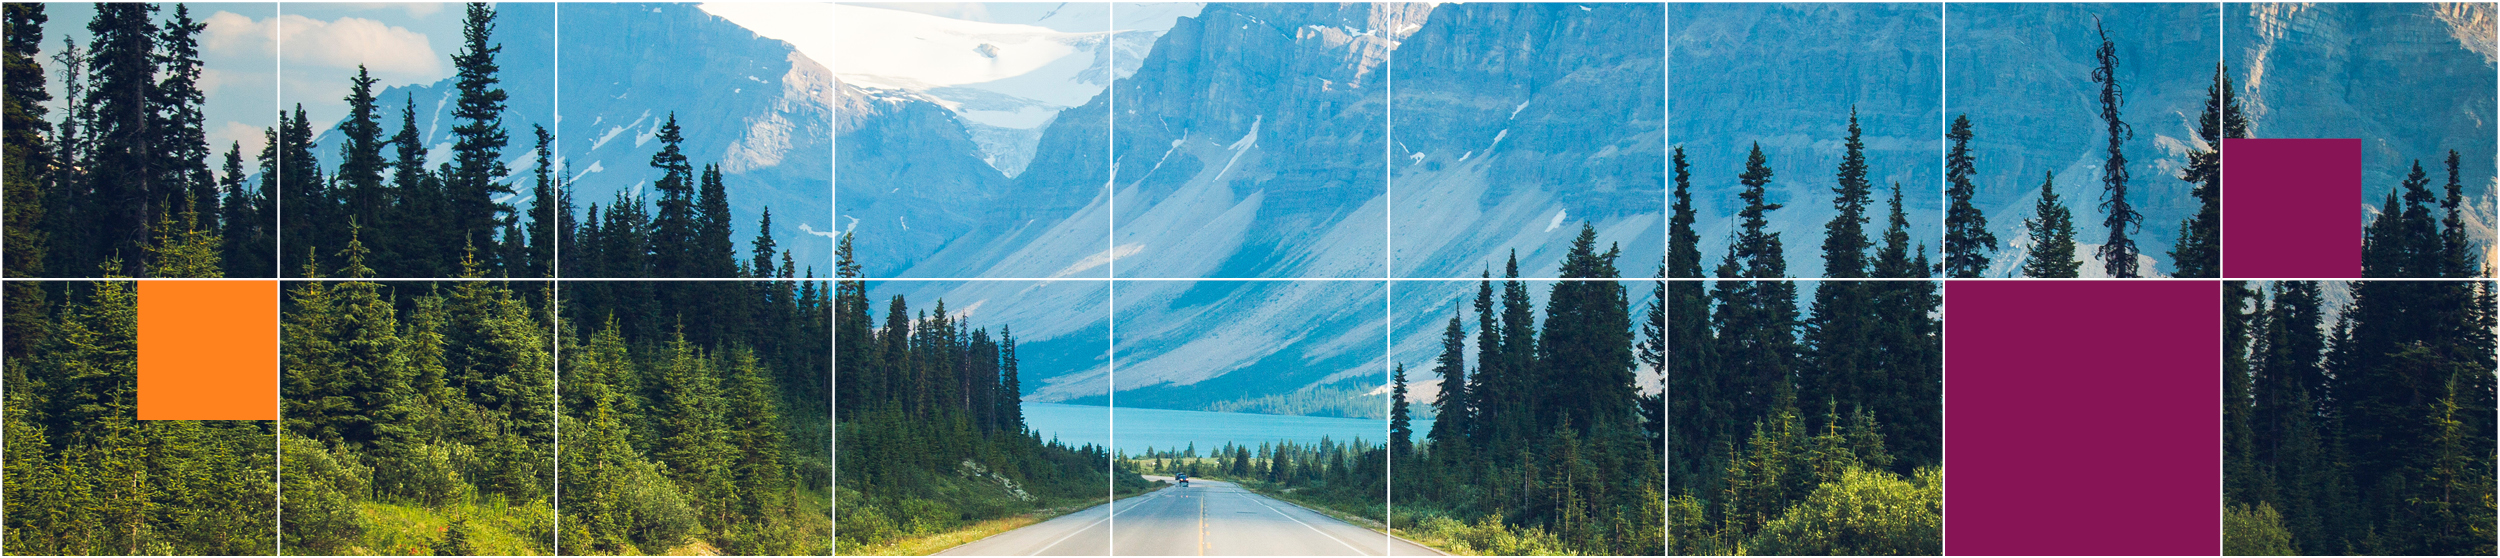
1139 429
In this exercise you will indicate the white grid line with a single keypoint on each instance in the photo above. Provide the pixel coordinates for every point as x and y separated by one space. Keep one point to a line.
1112 279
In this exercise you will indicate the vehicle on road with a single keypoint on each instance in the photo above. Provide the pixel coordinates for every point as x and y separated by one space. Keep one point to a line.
1181 479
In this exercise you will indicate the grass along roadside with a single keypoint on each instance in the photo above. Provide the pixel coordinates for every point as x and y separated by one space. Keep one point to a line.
486 528
1357 519
934 543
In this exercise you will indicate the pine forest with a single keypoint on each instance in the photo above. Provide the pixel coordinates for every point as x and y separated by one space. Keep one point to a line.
2357 415
1814 432
418 416
933 438
475 362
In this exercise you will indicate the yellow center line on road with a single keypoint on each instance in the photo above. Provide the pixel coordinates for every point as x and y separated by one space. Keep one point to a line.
1202 526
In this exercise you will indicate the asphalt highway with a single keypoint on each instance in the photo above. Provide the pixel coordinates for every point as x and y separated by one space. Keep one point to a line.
1208 518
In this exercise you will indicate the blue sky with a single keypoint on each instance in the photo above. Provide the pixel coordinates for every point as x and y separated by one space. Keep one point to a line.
401 43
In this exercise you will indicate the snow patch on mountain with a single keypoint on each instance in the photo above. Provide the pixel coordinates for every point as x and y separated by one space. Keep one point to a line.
1005 82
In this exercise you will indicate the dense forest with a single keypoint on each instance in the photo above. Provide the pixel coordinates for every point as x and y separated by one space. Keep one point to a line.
418 417
1804 434
83 475
2049 233
932 435
2365 429
1548 443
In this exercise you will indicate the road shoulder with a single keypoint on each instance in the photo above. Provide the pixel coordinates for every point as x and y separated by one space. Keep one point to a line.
1351 519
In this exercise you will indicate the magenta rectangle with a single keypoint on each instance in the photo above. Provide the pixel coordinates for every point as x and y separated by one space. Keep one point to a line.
2083 418
2289 208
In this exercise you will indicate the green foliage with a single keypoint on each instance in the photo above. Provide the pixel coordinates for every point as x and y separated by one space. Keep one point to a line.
1321 401
1967 241
321 490
1807 434
1548 447
2198 253
455 540
1489 536
1865 513
2255 531
83 476
2052 233
932 438
2397 460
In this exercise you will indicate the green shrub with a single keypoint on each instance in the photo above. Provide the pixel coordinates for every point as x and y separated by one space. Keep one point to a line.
425 473
1866 513
2255 531
661 519
322 488
1489 536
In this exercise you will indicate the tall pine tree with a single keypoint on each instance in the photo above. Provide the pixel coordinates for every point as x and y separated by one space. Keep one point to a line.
2052 233
2118 253
1967 242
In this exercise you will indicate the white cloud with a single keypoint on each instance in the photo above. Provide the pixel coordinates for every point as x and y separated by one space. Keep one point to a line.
211 79
394 54
231 34
222 137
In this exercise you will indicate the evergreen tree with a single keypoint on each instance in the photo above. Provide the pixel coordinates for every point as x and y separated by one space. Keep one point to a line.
184 247
1401 429
1490 386
427 248
1450 405
478 138
714 256
359 177
23 170
2052 233
1011 411
2404 241
1836 333
1903 388
1653 354
545 204
248 217
2198 252
1585 350
2455 247
674 227
2239 470
309 223
124 171
1967 241
1757 320
64 184
1844 238
1699 407
1683 244
182 129
2118 254
1513 423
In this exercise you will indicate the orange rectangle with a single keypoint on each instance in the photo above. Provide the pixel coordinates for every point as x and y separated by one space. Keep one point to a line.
208 350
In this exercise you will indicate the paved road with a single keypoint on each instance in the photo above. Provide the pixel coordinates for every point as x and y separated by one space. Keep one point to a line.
1209 518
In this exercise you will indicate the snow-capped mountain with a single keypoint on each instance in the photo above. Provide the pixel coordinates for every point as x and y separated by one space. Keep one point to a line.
753 105
1004 79
1268 141
1250 144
